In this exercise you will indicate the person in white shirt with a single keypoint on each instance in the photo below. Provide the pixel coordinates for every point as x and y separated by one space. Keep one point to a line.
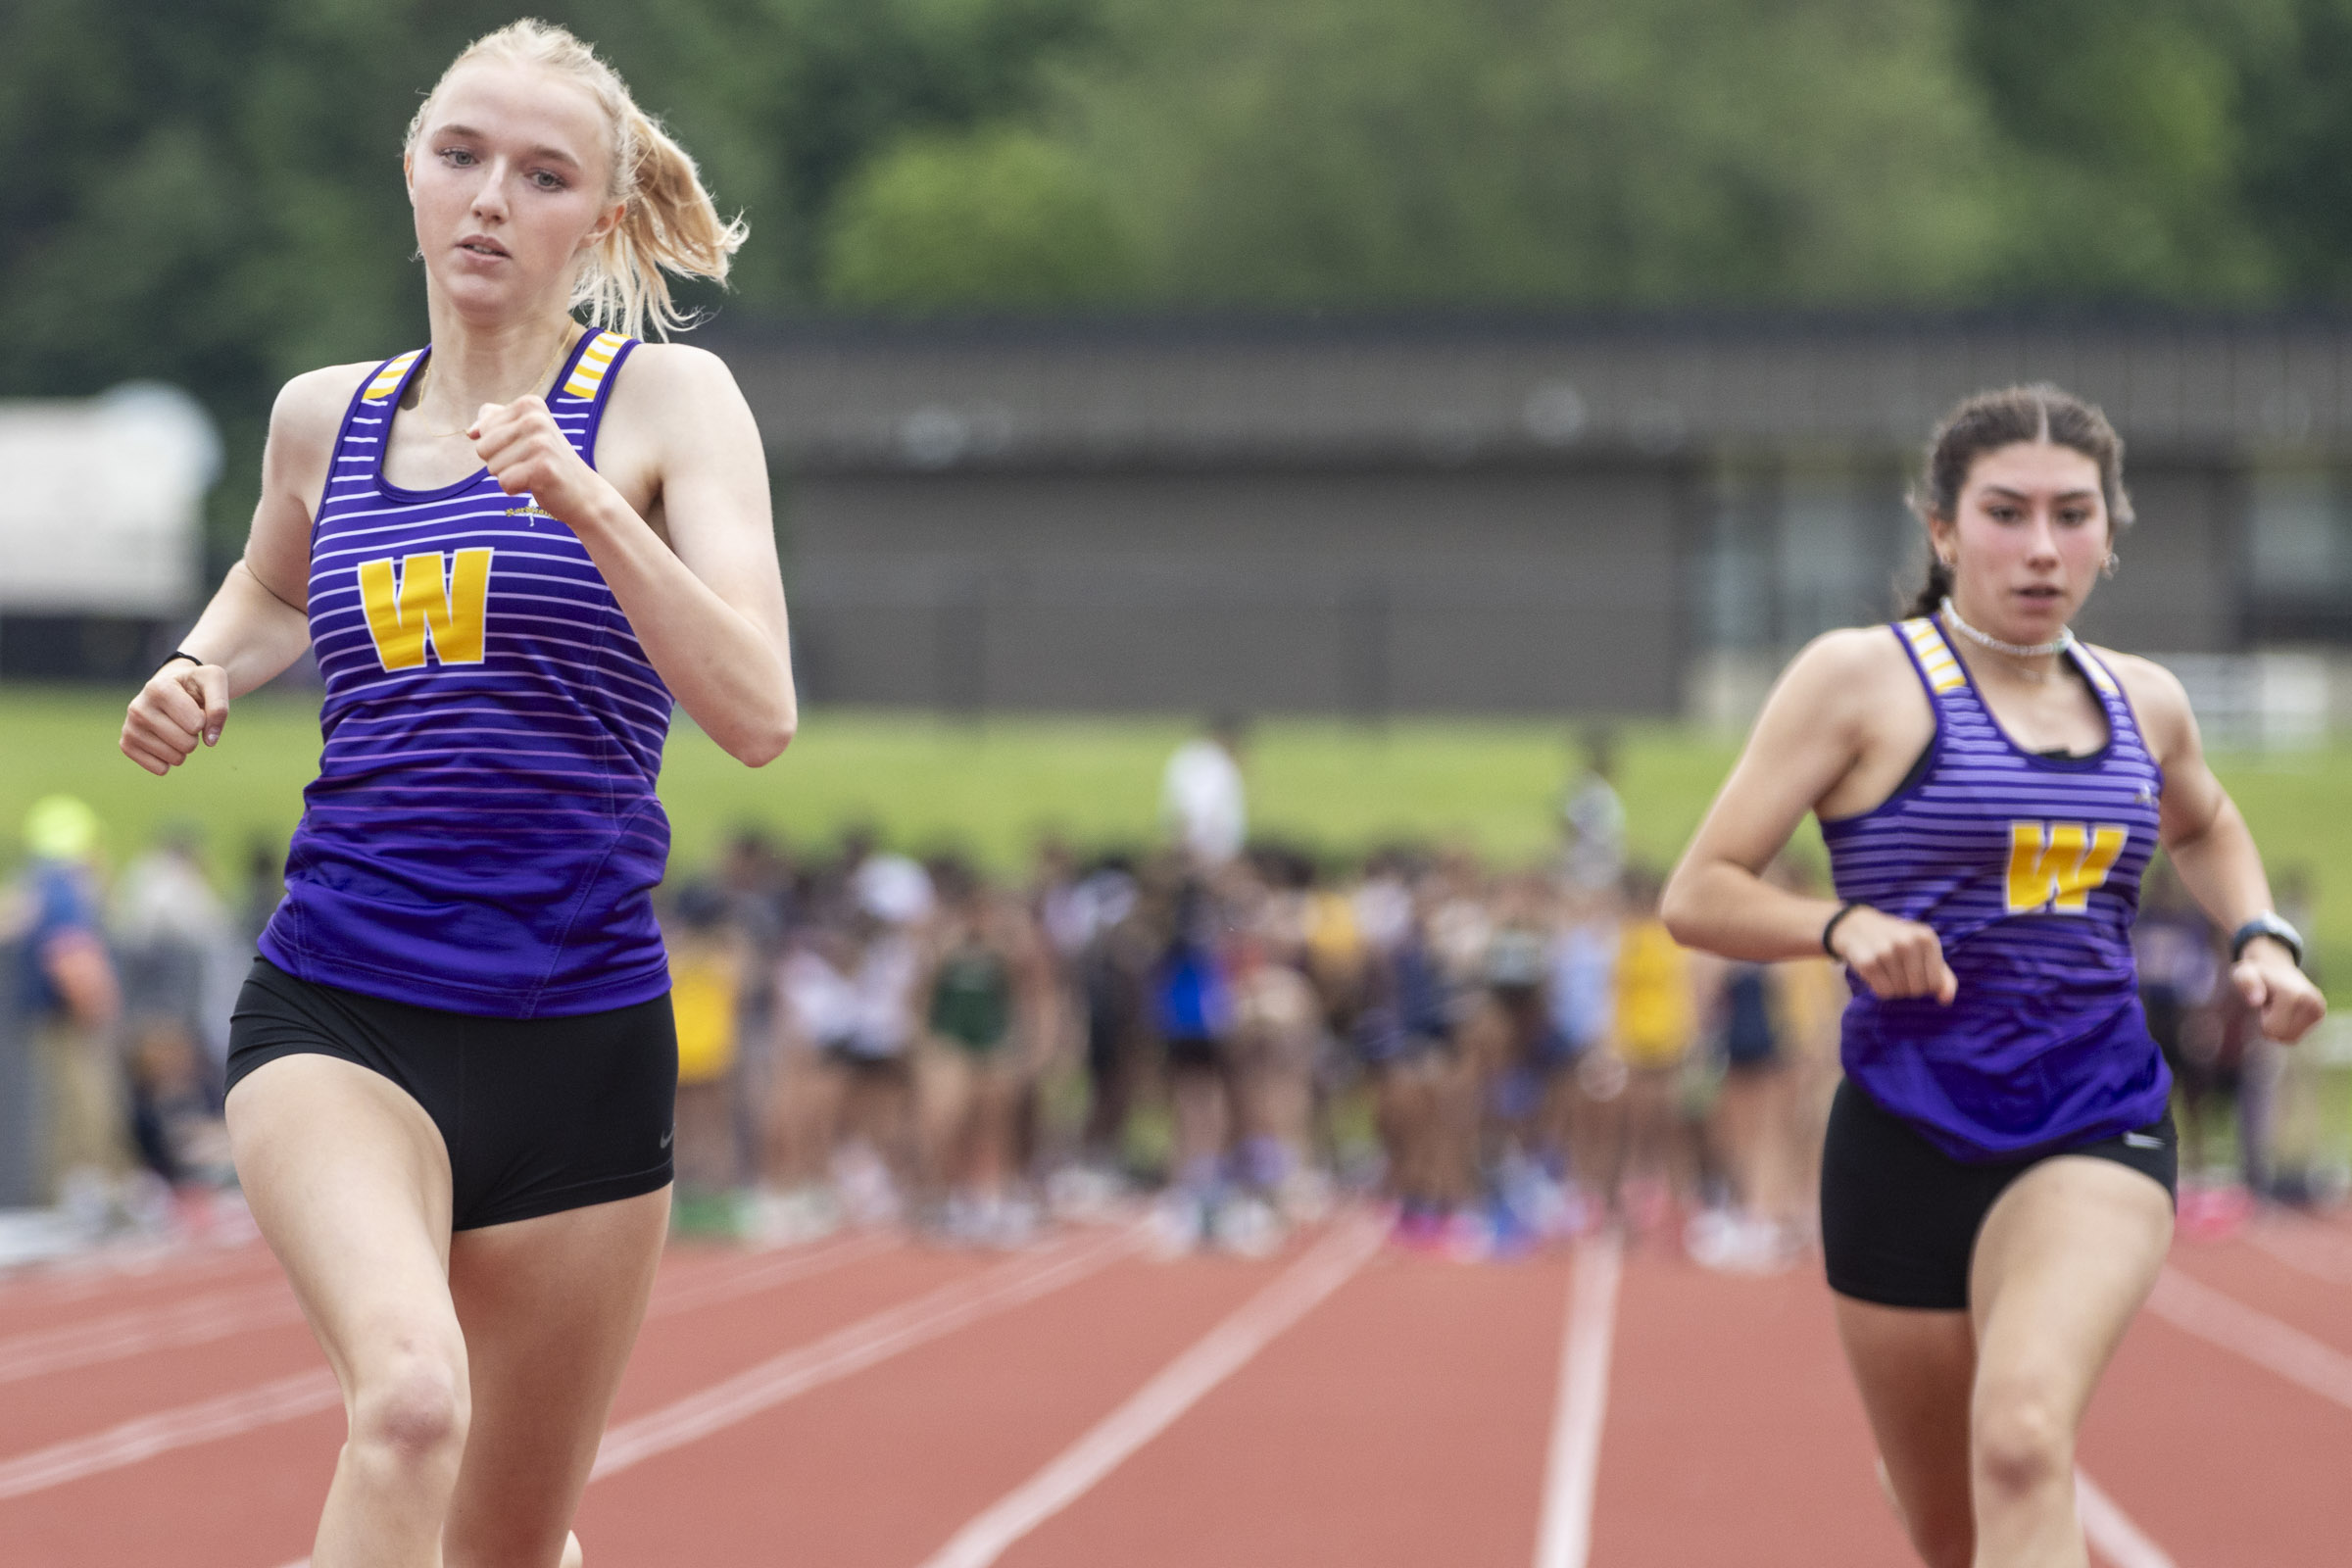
1201 798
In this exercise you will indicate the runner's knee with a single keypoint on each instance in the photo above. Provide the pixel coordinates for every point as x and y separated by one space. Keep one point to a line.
412 1413
2021 1442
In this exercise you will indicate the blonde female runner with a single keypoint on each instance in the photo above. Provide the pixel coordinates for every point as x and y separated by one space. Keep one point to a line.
452 1068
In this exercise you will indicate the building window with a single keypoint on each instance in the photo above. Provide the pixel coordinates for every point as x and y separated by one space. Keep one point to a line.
2300 570
1791 552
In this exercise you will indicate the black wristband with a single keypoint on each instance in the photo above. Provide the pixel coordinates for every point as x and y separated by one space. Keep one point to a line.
1843 909
181 652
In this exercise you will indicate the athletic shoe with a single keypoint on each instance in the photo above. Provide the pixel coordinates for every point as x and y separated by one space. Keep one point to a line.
1734 1244
1304 1196
1008 1224
1247 1227
2214 1213
1469 1237
792 1218
1418 1229
1179 1225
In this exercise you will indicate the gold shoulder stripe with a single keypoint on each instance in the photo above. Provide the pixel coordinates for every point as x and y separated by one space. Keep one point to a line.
595 360
388 379
1943 670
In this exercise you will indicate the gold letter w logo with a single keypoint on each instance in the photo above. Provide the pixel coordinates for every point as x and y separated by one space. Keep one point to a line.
2054 865
400 614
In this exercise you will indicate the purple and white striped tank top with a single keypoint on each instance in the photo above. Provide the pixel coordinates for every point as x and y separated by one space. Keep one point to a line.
484 836
2028 867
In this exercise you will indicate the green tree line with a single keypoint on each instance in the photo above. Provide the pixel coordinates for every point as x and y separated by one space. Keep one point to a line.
209 191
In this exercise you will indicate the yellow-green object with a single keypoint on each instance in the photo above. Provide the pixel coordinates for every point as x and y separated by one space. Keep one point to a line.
60 827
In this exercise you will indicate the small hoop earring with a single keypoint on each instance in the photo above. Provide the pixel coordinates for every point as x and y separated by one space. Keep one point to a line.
2107 567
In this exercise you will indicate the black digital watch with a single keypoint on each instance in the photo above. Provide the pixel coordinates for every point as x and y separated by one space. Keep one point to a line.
2267 924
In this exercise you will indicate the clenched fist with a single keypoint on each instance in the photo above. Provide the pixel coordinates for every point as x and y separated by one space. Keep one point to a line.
2283 995
1894 958
180 705
526 452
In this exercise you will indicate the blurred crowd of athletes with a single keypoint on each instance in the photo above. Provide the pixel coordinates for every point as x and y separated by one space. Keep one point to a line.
1221 1034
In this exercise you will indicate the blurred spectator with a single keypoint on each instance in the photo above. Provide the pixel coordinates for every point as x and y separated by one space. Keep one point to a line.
2200 1031
1521 1061
1655 1025
1758 1229
867 1081
264 888
2291 1154
991 1018
182 950
1114 993
70 1001
182 957
710 958
757 880
1593 819
1810 997
1192 1008
1278 1031
1201 798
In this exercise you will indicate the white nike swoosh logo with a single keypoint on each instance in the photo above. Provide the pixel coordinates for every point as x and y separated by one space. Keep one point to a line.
667 1135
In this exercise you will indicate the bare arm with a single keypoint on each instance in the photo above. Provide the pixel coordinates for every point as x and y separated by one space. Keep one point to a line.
2214 851
1817 728
256 622
707 605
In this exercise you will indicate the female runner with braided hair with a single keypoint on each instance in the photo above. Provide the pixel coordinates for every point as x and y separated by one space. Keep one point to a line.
453 1069
1997 1182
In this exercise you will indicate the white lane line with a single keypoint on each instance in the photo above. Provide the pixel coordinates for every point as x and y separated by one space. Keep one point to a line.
1566 1541
228 1416
853 1349
2319 1254
2198 1308
224 1313
287 1398
125 1333
1174 1390
2111 1532
60 1283
767 1273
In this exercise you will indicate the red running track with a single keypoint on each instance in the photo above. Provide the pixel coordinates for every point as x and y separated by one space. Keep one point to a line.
866 1400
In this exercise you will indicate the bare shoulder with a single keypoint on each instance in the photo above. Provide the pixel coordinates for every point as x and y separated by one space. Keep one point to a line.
675 402
671 370
309 410
2158 699
1853 663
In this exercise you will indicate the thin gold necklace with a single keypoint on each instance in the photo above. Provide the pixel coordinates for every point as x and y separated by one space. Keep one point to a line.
562 347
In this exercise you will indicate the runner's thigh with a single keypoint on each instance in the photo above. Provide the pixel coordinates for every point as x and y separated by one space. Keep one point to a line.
349 1181
551 1307
2063 1262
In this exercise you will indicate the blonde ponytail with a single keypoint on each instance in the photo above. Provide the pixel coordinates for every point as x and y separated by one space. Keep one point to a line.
668 222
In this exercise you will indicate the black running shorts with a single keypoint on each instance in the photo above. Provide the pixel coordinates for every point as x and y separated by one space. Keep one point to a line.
538 1114
1900 1216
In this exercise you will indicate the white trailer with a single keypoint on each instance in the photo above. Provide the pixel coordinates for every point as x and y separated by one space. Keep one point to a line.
102 502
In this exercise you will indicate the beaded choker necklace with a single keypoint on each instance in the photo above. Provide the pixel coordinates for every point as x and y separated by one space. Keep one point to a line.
2056 645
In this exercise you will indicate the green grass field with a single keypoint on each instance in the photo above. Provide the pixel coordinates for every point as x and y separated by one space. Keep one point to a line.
990 786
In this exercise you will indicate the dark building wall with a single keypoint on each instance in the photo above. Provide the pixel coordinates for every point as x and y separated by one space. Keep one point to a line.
1500 589
2178 584
1497 516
